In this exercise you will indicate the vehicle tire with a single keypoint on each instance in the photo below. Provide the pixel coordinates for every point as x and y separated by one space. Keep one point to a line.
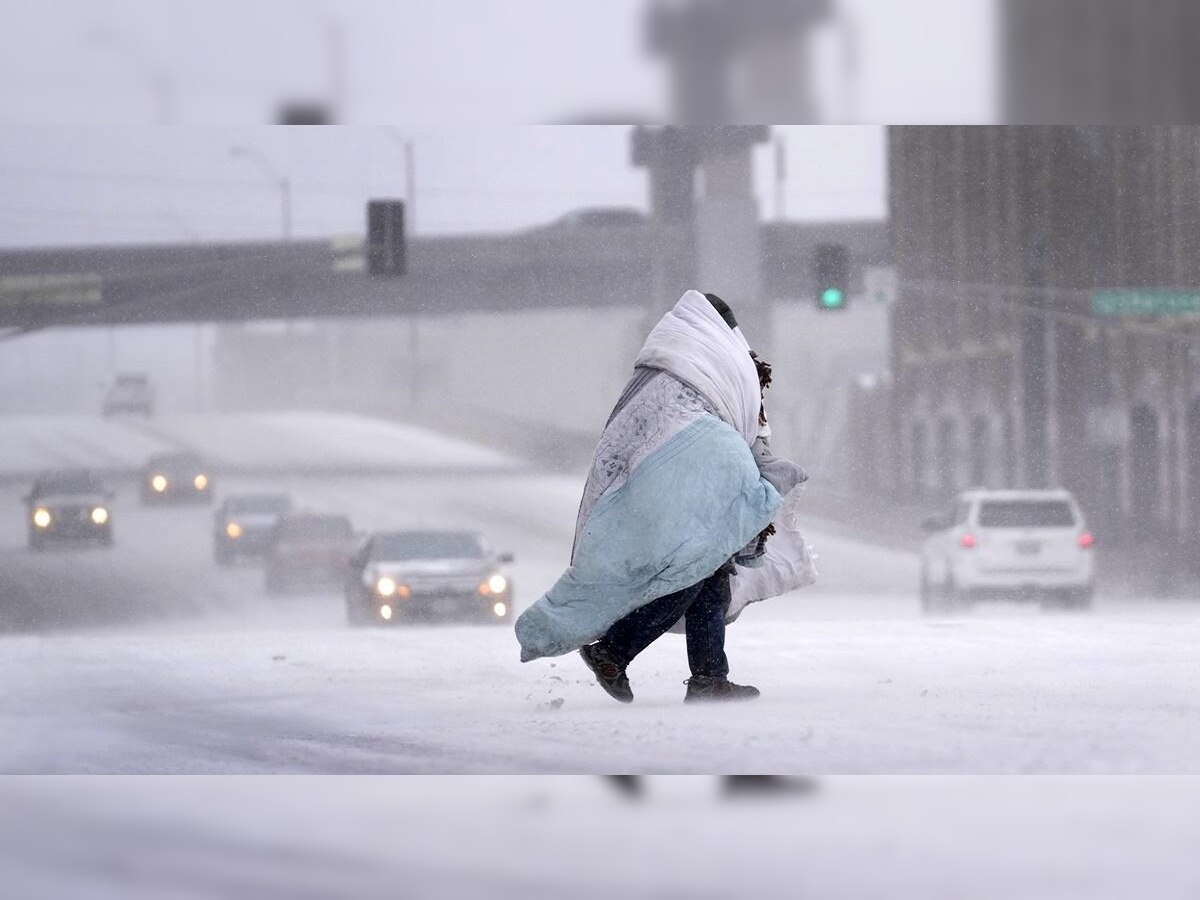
1072 599
274 582
957 599
356 615
936 599
925 592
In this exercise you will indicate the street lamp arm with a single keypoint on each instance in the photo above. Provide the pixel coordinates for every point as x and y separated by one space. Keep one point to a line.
258 158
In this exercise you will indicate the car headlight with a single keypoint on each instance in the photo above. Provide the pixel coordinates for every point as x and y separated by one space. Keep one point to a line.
385 612
497 584
500 609
159 483
200 482
99 515
385 587
42 518
233 530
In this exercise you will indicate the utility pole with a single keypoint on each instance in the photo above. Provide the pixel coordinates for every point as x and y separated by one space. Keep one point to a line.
781 174
407 146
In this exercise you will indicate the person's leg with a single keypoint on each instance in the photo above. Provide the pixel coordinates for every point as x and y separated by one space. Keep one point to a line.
608 657
642 627
706 646
705 621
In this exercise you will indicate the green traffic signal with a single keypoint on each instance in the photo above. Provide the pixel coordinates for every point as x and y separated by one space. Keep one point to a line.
833 298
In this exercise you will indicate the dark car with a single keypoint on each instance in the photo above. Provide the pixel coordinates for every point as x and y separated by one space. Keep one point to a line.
244 523
176 478
68 505
307 550
131 392
403 576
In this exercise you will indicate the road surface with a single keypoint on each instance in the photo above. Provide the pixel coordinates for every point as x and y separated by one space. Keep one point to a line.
150 658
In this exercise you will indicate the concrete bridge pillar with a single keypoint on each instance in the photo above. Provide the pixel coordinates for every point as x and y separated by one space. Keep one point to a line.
728 255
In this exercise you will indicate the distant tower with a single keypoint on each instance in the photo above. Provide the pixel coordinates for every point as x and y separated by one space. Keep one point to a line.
737 61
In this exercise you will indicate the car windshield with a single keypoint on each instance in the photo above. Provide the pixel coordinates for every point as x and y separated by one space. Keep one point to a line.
316 528
67 483
1026 514
176 463
426 546
266 503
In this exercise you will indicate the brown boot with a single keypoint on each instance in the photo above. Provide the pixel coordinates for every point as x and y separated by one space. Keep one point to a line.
705 688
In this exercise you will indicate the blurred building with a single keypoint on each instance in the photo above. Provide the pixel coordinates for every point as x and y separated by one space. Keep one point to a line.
1005 239
1100 61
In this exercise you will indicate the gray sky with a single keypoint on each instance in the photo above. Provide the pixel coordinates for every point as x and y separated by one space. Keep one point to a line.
72 185
80 163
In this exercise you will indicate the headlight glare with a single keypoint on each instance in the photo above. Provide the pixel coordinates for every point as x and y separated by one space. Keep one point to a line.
500 609
497 584
233 530
42 518
386 587
200 482
159 483
99 515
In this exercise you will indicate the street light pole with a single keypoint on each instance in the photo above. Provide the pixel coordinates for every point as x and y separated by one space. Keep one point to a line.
285 193
408 147
285 202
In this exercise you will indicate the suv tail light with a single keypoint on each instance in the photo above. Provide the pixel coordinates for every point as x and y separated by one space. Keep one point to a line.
1087 540
968 542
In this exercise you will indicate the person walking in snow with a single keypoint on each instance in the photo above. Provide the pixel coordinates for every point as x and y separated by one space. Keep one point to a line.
682 488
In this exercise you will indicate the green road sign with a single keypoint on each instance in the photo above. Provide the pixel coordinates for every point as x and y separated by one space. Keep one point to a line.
1145 303
34 291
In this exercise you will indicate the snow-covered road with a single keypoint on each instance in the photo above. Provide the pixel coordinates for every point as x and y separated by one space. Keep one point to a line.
293 691
149 658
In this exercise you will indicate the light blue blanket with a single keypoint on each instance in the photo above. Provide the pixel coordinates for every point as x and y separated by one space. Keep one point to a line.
682 513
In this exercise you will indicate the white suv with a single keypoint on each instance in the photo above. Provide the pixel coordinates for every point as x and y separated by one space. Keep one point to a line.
1008 544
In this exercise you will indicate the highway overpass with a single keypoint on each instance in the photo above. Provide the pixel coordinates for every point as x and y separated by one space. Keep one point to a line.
553 267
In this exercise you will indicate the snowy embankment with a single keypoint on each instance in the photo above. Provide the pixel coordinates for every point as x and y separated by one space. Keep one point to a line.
286 442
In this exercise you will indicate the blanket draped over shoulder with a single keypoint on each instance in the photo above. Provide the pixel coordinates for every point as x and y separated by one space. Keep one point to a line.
674 489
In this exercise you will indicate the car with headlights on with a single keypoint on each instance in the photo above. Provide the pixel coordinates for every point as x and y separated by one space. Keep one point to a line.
308 549
176 478
243 524
69 505
1016 545
404 576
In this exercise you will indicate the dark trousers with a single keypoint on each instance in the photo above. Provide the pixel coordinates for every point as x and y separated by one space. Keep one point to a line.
702 607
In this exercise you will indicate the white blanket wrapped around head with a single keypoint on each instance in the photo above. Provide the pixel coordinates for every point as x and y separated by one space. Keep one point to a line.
697 346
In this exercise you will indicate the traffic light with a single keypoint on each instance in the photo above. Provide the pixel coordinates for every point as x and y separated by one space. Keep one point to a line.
831 276
386 250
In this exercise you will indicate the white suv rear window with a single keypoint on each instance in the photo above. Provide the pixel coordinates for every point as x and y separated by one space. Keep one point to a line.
1026 514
